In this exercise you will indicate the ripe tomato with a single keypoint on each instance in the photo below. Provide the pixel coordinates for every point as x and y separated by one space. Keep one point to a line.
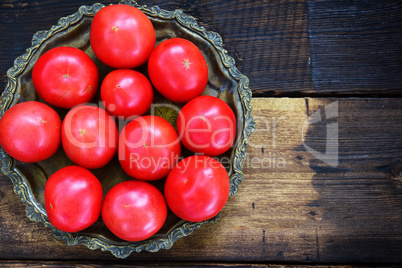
30 131
178 70
89 136
134 210
197 188
148 148
126 93
65 77
122 36
73 199
207 125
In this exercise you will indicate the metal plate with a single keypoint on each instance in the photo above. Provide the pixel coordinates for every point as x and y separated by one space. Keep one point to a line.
225 82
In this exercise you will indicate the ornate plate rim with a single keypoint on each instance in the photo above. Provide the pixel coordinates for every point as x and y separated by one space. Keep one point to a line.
10 97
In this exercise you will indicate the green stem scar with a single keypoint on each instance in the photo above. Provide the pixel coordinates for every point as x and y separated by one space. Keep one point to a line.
187 63
89 88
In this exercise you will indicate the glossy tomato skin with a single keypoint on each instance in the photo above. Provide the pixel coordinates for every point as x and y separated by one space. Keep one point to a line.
178 70
89 136
207 125
122 36
65 77
126 93
197 188
30 131
73 199
149 148
134 210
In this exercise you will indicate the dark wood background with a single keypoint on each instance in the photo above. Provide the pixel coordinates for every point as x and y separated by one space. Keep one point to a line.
299 57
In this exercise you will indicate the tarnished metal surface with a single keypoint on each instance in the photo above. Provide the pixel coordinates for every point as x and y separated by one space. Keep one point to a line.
225 82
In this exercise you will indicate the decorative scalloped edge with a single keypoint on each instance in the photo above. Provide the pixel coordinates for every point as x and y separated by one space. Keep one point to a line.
10 96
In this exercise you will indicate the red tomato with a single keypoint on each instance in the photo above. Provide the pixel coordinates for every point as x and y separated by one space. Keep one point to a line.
207 125
134 210
178 70
197 188
122 36
126 93
65 77
148 148
30 131
89 136
73 199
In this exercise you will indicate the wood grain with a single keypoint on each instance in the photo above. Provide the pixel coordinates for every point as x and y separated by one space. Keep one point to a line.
291 206
286 47
51 264
355 46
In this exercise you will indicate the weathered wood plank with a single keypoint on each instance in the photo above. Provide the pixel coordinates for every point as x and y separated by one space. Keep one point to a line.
355 46
346 210
51 264
285 47
291 206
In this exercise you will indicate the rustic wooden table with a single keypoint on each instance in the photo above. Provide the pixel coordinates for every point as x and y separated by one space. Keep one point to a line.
322 191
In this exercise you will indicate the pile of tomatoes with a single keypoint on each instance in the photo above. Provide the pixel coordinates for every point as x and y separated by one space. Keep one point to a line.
149 148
